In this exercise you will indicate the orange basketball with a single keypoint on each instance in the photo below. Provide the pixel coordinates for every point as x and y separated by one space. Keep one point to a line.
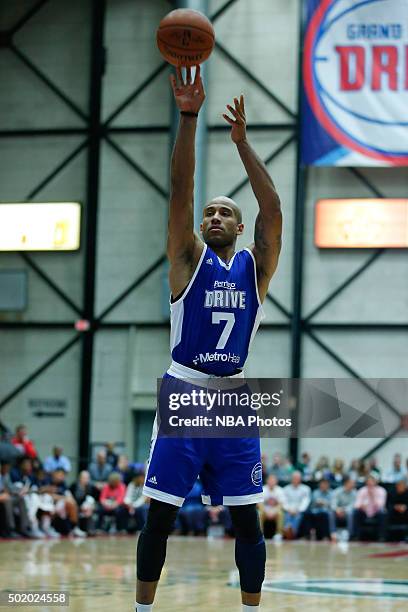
185 37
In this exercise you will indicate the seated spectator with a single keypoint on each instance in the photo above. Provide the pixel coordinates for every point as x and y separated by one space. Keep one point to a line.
13 508
193 516
276 465
353 470
363 471
137 504
65 515
111 456
23 472
24 480
304 466
57 461
100 470
343 501
85 495
373 467
370 504
397 504
111 504
319 515
123 468
22 442
218 521
337 473
396 472
296 501
281 467
271 511
322 469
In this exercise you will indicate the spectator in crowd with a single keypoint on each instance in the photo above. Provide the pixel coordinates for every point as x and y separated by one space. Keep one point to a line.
137 504
353 470
322 469
304 466
363 471
85 495
373 467
123 468
100 470
192 516
396 472
23 472
66 509
25 481
319 515
296 501
276 465
111 456
397 504
57 461
281 467
112 505
12 506
271 511
370 504
343 501
337 473
218 517
23 443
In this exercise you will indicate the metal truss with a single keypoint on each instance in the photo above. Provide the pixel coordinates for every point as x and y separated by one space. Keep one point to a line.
95 131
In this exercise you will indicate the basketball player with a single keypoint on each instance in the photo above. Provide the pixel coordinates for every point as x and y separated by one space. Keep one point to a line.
230 469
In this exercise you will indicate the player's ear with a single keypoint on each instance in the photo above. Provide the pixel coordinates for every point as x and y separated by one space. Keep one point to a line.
201 228
240 229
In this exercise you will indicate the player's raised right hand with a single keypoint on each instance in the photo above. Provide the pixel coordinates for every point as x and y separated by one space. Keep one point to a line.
189 95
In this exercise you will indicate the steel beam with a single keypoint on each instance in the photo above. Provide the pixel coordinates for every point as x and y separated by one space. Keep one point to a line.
91 214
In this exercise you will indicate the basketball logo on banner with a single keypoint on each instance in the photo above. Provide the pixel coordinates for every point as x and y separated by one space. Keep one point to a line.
355 76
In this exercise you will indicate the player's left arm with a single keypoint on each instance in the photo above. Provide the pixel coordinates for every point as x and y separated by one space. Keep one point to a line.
268 225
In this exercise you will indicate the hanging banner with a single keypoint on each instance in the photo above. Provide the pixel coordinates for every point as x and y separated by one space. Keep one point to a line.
355 83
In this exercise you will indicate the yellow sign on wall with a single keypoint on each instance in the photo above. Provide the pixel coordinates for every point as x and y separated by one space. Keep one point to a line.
51 226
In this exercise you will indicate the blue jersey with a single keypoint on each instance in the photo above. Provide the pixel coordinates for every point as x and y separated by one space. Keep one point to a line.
215 319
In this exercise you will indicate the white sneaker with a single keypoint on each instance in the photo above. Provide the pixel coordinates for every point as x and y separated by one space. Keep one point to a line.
78 533
37 534
277 537
51 533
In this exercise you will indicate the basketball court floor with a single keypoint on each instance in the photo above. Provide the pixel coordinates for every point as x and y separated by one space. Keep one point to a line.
99 574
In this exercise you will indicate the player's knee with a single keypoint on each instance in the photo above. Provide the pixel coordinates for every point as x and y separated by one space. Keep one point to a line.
151 546
250 551
245 520
161 518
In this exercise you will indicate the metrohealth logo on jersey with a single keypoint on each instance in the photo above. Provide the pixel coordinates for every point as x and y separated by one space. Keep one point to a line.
224 357
355 79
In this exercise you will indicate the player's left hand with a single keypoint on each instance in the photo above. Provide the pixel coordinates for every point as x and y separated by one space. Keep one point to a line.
238 124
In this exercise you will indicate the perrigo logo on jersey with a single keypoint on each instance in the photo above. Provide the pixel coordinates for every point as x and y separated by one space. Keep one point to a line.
355 76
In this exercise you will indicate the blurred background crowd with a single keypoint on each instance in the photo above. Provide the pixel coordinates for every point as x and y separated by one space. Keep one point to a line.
311 499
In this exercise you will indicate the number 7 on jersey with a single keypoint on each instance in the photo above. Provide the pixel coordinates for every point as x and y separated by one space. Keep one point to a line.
229 317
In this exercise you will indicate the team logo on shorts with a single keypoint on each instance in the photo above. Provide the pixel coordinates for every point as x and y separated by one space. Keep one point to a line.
355 76
256 474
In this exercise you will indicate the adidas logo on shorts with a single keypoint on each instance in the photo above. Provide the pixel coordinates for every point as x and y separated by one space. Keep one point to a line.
153 480
209 261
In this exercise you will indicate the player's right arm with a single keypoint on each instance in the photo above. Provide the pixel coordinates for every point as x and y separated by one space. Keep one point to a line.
184 247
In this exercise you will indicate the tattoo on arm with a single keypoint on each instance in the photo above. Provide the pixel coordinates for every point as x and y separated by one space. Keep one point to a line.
261 239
